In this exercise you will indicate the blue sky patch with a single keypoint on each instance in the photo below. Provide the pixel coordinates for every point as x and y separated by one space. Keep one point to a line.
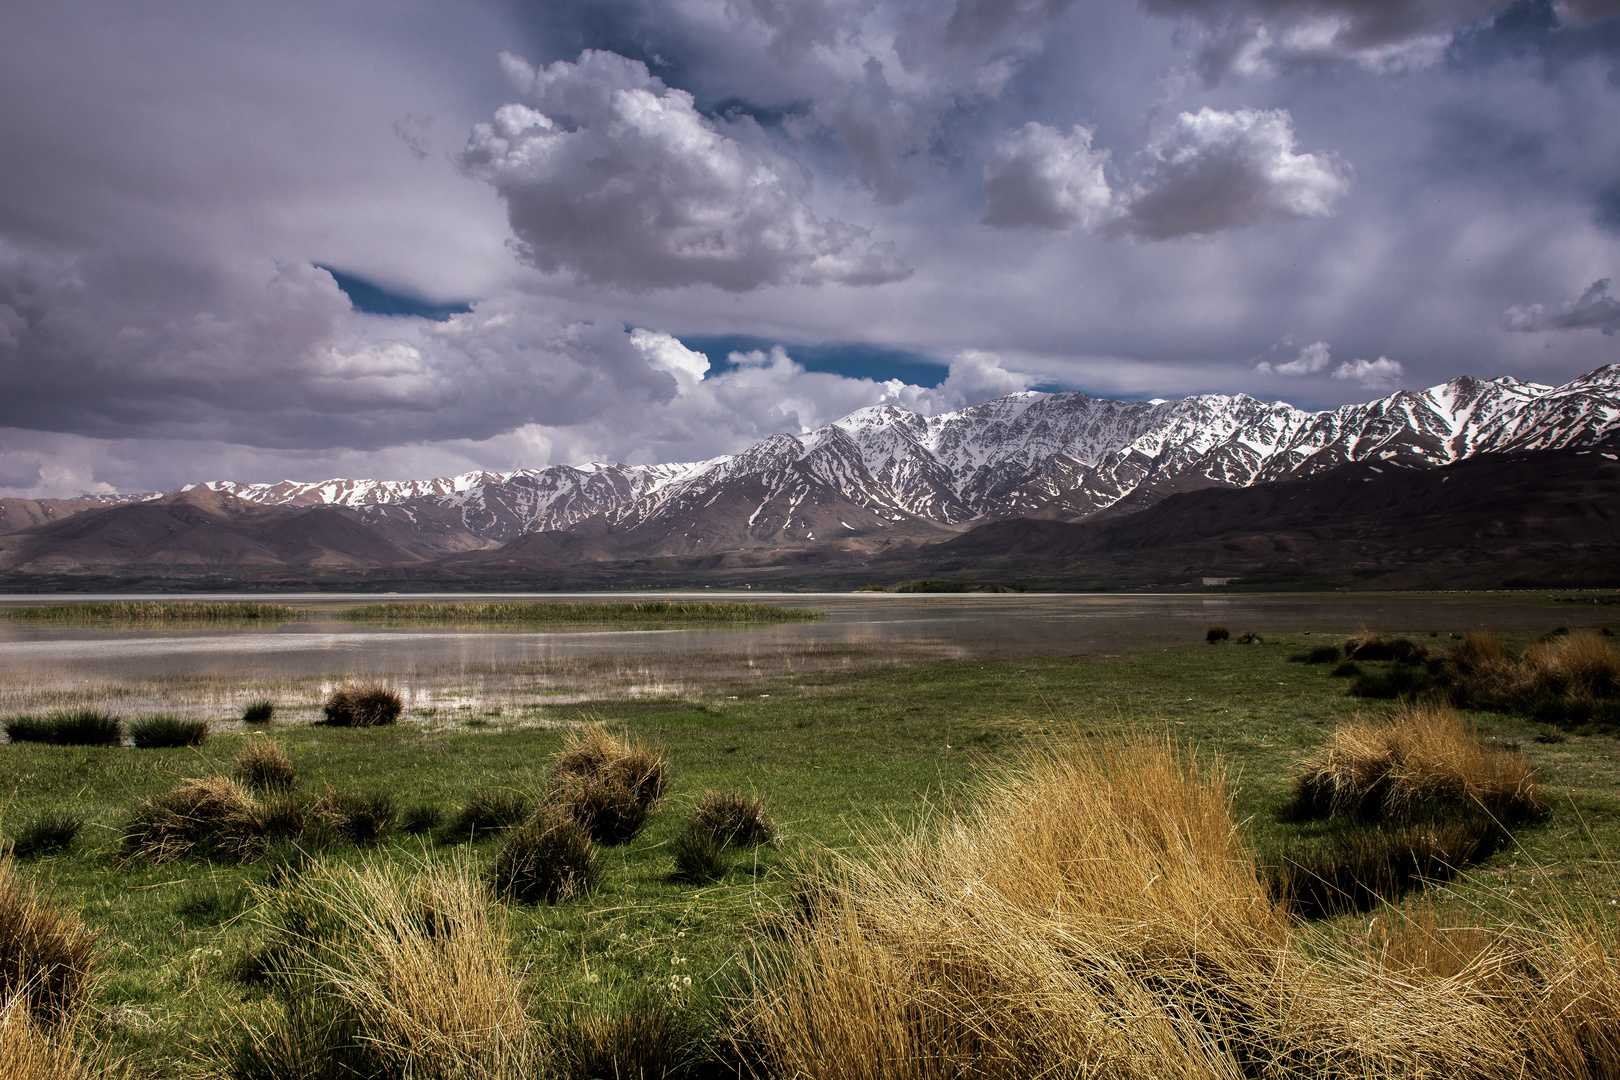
853 360
373 299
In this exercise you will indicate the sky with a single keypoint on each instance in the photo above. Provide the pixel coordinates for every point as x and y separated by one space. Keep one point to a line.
300 240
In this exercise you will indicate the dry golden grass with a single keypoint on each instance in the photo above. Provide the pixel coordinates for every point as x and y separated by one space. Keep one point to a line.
30 1050
211 818
424 961
609 785
1581 665
46 956
1102 916
1387 769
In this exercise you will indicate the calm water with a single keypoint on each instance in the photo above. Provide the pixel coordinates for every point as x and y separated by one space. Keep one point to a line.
864 627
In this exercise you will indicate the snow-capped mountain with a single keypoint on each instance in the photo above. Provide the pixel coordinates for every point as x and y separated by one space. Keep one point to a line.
1061 455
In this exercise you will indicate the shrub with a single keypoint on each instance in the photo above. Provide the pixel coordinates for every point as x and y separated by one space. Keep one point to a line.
362 706
1422 760
166 731
46 956
700 857
1216 633
45 833
358 819
210 818
264 766
489 812
734 820
261 711
550 858
80 727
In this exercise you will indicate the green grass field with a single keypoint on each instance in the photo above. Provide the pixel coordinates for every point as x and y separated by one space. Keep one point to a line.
838 757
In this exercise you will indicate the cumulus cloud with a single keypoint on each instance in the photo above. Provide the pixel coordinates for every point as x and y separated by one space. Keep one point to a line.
664 351
1313 358
1381 374
1214 170
617 178
1039 178
1595 309
1264 38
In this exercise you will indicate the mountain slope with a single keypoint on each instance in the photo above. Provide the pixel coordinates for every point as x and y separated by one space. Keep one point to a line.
1063 456
1547 515
196 530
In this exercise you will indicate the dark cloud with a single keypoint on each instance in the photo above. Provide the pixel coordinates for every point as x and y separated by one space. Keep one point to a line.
1595 309
643 191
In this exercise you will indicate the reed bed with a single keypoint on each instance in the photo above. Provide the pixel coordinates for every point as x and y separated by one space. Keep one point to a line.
155 612
1101 915
475 613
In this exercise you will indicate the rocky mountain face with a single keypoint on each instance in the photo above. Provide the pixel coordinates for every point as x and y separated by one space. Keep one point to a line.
1062 456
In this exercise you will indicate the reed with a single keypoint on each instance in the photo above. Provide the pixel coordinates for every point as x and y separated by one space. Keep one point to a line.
155 612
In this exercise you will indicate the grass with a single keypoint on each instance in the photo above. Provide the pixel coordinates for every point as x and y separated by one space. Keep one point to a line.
154 613
47 955
264 766
841 750
207 819
258 712
550 858
368 705
509 613
74 727
47 832
489 812
167 731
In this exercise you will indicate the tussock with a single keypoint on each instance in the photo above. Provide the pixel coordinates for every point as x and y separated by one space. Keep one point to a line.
417 966
261 711
1102 916
211 818
488 812
609 785
359 819
46 956
1422 758
371 705
264 766
550 859
733 820
31 1050
77 727
46 833
167 731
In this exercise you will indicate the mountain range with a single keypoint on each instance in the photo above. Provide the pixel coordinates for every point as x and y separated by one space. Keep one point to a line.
878 481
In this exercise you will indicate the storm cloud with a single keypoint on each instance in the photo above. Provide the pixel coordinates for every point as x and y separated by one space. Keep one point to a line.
1327 197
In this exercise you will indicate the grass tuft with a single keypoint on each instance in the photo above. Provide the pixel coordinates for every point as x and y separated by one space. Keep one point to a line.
209 819
260 711
46 833
549 859
356 818
370 705
1421 760
1216 634
1357 871
46 956
489 812
700 857
153 732
609 785
264 766
733 820
77 727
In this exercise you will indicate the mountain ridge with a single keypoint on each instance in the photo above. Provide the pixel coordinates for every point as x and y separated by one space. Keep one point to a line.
1063 456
